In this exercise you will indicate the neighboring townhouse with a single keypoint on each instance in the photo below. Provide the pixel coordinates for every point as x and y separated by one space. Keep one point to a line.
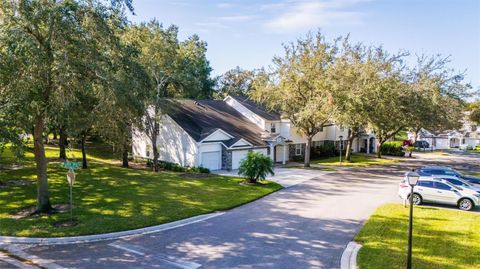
467 136
217 134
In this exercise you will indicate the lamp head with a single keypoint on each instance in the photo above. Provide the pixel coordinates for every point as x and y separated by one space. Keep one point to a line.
341 137
413 178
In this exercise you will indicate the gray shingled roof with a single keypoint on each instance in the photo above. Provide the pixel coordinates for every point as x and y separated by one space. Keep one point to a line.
257 108
200 118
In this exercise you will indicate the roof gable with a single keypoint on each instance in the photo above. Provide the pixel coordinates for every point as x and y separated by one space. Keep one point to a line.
202 119
218 135
257 108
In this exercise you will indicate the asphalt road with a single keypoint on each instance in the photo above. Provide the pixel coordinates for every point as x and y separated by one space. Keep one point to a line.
304 226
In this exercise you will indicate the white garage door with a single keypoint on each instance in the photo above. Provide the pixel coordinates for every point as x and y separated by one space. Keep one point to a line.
211 160
237 157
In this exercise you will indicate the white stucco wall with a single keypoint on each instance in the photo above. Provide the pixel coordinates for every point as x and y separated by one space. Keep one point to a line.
174 144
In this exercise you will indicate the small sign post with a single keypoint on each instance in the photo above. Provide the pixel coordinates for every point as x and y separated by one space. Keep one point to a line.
71 166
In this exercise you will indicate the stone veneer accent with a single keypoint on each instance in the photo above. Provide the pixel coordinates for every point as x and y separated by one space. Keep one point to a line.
226 159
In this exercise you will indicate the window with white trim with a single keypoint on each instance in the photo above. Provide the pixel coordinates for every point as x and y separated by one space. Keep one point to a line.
273 128
298 149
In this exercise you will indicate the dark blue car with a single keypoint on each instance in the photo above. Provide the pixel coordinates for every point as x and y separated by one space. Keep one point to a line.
444 170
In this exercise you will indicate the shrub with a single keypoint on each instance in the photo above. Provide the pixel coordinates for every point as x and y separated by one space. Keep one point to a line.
326 150
199 170
175 167
255 166
392 148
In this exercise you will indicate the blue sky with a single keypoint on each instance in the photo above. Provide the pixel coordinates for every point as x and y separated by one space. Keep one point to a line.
249 33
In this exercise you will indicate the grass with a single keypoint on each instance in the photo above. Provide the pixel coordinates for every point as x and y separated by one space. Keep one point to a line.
476 149
327 169
442 238
355 160
109 198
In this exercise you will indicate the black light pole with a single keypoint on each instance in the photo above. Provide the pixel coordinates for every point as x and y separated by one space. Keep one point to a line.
412 181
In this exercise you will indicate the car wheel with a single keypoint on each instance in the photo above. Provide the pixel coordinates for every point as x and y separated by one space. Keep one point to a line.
417 199
465 204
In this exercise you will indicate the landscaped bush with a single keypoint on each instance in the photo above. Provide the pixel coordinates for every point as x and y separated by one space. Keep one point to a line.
393 148
325 151
175 167
255 166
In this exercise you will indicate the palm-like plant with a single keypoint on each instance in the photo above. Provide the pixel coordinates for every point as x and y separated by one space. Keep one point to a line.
255 166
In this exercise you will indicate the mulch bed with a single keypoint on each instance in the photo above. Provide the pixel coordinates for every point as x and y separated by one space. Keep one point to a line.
30 212
248 183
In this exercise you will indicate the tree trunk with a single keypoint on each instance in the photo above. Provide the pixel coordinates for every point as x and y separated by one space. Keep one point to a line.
348 153
55 137
84 153
155 149
351 137
125 155
416 135
379 152
308 148
43 199
62 143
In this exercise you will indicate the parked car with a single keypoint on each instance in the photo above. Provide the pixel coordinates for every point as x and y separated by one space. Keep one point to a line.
458 182
421 144
433 190
445 170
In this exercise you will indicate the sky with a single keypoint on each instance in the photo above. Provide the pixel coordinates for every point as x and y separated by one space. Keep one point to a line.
248 33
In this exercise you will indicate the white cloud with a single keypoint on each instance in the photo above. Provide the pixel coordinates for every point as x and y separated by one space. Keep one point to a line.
304 15
236 18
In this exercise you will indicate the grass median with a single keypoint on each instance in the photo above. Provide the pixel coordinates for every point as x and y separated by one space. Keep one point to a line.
442 238
108 198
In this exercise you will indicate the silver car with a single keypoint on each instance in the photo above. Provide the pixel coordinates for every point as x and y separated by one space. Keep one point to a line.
435 190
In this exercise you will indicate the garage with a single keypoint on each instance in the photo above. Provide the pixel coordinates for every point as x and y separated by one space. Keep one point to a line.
212 160
239 155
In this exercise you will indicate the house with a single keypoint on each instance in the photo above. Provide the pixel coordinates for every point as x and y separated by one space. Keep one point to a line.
217 134
467 135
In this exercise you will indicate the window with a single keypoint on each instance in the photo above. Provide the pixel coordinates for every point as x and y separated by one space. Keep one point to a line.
442 186
272 128
436 172
298 149
148 150
426 183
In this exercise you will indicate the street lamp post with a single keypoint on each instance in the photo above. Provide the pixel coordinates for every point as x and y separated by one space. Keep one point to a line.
412 181
340 147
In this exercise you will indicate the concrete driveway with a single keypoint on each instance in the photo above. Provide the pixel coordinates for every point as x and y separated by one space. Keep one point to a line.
306 225
286 177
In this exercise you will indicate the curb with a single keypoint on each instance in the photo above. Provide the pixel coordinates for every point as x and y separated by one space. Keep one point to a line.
107 236
349 256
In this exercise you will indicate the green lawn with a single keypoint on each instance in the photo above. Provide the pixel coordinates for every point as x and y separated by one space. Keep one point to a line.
355 160
442 238
109 198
